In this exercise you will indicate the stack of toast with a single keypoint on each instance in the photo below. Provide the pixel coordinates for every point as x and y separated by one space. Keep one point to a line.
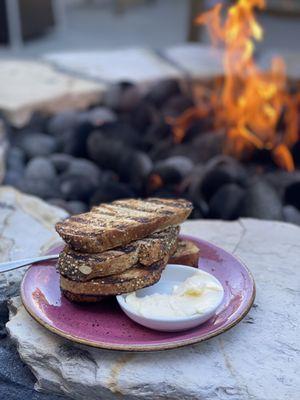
120 247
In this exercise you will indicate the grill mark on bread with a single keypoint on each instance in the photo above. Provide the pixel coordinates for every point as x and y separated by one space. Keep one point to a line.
126 216
112 225
144 209
175 204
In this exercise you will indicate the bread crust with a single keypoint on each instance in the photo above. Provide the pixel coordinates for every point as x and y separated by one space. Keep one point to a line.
84 298
135 278
121 222
187 253
84 266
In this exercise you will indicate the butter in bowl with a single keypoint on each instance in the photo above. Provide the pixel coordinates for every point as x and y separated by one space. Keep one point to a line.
183 298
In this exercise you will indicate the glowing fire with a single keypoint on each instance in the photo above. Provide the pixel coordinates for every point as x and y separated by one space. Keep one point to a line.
254 105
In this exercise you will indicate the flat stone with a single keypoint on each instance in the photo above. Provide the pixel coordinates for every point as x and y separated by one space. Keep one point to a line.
198 61
261 201
258 359
27 228
134 65
28 86
3 150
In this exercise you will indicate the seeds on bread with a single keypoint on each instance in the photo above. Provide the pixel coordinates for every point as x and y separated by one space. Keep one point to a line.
136 277
83 267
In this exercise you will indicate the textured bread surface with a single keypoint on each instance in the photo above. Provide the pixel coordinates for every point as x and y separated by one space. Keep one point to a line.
111 225
84 298
135 278
187 253
85 266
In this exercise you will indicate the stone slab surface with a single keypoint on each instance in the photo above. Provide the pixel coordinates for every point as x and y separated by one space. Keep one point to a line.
198 61
258 359
3 149
26 229
28 86
135 65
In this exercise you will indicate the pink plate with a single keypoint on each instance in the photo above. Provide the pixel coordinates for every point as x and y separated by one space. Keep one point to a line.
104 325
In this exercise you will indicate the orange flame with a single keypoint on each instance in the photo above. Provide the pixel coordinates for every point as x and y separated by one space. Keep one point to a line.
253 102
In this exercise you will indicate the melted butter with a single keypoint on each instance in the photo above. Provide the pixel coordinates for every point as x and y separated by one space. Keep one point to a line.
196 295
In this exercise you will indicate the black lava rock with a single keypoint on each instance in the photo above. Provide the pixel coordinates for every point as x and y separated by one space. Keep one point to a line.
61 161
200 210
292 195
296 153
162 90
98 116
38 122
226 202
156 134
144 115
60 123
110 190
76 207
221 171
15 159
82 167
281 180
105 152
199 127
118 131
261 201
15 166
77 188
176 105
40 168
202 148
122 97
172 170
58 203
291 214
131 165
181 163
40 187
13 178
74 141
37 144
134 168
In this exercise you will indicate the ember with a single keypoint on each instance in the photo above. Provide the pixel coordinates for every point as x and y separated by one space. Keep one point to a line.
254 105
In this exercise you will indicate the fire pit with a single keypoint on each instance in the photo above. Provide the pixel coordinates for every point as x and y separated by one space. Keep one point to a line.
230 145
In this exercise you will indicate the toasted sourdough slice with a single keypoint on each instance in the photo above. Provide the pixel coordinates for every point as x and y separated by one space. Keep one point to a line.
187 253
84 266
133 279
121 222
84 298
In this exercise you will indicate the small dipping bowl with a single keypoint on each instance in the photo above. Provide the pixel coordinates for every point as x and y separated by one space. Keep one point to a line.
172 275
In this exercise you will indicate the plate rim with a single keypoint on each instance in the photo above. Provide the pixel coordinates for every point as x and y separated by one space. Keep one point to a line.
151 347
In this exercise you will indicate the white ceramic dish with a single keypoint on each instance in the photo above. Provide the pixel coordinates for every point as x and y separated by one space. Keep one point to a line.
171 276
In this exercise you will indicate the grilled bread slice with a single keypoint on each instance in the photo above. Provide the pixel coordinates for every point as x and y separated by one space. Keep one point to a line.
121 222
187 253
84 298
83 267
133 279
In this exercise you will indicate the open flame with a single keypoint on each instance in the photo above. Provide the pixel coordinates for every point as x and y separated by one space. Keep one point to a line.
254 105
